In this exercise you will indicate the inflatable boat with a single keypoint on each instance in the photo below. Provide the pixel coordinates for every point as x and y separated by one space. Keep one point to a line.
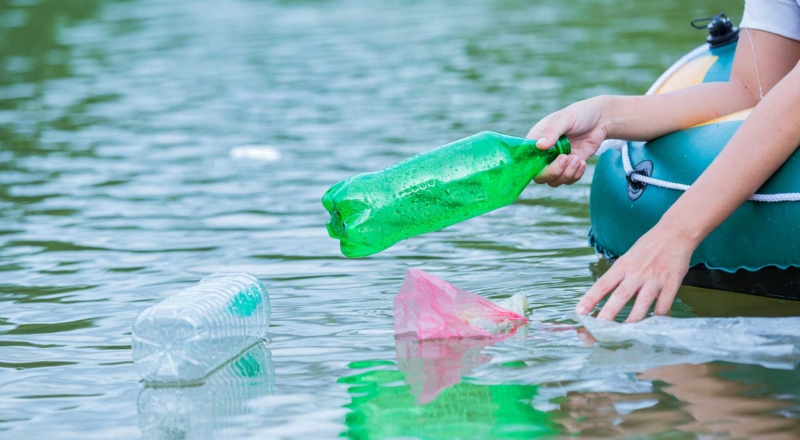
757 249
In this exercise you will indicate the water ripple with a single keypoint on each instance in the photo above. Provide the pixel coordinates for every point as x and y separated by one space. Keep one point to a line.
146 144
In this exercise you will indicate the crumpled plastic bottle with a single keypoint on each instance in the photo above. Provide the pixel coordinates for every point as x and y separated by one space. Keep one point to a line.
371 212
191 333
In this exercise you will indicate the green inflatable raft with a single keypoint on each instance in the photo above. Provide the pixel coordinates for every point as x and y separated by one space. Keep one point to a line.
756 250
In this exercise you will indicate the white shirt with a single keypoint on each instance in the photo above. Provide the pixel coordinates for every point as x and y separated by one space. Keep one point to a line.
780 17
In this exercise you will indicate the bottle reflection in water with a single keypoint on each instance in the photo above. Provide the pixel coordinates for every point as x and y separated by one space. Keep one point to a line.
220 403
428 400
193 332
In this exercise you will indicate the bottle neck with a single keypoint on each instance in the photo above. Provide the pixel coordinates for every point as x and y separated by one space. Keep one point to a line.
523 149
562 146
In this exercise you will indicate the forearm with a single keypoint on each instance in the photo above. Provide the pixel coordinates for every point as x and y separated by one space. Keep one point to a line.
648 117
761 145
653 268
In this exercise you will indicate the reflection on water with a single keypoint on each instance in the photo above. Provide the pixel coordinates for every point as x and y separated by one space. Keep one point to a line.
434 365
222 402
32 50
686 400
121 182
681 392
621 390
425 397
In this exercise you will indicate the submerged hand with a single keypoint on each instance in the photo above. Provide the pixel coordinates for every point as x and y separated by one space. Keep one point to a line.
651 270
582 123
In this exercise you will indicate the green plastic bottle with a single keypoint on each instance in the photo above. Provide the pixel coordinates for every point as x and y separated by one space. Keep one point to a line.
370 212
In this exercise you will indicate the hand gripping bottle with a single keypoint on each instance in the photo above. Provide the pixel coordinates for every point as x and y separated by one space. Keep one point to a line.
430 191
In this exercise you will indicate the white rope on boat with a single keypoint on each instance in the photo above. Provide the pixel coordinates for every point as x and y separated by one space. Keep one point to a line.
626 164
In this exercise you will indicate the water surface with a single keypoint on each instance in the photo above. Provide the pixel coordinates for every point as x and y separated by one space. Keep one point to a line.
118 186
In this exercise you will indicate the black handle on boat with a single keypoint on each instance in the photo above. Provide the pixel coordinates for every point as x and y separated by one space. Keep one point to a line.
701 20
720 29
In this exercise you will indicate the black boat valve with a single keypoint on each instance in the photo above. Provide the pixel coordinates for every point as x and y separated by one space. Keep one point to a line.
720 29
636 187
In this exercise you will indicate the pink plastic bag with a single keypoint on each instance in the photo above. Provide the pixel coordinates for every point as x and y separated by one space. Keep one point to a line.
432 308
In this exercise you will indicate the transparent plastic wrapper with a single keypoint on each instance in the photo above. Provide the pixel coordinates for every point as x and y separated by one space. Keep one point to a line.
772 342
220 403
188 335
430 308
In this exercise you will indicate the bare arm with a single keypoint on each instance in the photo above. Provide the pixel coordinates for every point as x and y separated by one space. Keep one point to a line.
588 123
655 266
642 118
761 145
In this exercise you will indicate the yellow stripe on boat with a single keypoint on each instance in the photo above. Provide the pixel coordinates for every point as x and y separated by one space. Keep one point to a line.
692 73
738 116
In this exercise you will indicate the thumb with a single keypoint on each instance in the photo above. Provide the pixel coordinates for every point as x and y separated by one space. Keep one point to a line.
549 129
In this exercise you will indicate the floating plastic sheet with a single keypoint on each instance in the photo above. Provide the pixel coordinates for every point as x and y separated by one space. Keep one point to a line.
771 342
431 308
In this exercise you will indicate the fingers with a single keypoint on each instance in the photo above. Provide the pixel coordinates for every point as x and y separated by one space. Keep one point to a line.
652 269
623 293
557 125
667 297
553 171
536 131
549 129
579 174
565 170
605 285
647 294
571 173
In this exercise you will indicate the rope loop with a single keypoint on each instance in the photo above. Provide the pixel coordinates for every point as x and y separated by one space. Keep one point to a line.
632 176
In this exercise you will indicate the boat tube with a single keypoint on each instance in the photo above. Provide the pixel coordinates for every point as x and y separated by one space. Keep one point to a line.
756 250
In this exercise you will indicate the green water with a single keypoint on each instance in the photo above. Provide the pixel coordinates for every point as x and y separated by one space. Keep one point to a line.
428 192
117 187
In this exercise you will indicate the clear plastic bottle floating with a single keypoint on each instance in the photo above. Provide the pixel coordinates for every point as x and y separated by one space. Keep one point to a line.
371 212
190 334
